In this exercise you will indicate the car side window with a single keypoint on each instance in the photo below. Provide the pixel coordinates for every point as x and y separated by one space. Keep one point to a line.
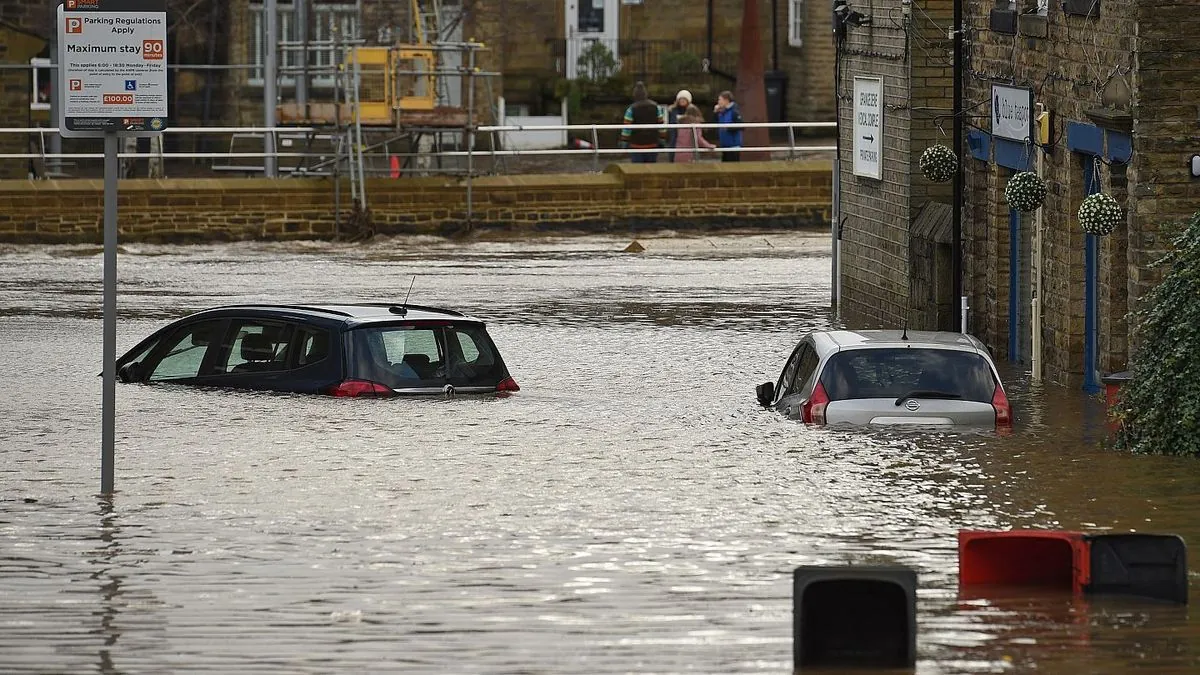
788 375
807 364
185 352
311 346
255 346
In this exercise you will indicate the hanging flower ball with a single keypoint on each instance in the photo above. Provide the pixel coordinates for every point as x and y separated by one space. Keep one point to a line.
1100 214
938 163
1025 191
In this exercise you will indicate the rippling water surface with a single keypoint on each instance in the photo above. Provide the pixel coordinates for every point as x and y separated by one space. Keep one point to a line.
632 509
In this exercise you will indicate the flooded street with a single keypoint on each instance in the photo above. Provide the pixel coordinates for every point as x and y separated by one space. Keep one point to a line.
631 509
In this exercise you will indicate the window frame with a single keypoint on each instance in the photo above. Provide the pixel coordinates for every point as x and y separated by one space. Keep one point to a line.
795 23
348 16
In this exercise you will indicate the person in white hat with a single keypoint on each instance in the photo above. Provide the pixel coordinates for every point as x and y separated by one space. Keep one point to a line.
682 100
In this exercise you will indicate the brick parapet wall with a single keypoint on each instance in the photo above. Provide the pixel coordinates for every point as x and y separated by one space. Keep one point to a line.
795 194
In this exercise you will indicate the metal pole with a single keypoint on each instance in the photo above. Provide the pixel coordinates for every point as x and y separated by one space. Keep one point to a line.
109 350
470 131
956 262
834 289
55 92
302 38
270 76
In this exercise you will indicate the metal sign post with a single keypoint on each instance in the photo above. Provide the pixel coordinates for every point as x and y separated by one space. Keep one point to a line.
112 57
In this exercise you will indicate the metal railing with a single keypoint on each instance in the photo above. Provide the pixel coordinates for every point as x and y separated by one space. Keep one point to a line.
326 162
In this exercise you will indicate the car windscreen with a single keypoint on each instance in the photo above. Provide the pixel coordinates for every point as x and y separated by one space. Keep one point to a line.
425 354
903 371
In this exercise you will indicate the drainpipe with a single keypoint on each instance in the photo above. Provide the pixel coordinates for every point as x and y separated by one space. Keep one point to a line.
709 51
1036 309
956 262
774 34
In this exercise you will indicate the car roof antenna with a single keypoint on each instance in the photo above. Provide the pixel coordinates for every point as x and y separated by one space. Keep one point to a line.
403 308
904 335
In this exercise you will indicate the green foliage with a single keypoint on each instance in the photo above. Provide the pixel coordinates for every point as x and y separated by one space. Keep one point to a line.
596 62
1160 408
677 65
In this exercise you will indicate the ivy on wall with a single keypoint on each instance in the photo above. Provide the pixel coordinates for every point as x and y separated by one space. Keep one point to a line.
1159 409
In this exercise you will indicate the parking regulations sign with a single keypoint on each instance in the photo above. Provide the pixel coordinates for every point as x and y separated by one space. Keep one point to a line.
113 67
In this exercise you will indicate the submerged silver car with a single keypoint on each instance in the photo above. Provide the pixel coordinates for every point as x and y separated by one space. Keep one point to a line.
890 377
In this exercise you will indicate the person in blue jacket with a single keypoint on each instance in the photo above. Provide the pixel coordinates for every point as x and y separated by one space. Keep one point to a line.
728 113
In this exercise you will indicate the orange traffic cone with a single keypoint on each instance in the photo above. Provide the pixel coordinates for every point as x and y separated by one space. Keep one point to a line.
395 166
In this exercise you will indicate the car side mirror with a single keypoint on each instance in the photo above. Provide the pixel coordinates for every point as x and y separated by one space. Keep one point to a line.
130 372
766 393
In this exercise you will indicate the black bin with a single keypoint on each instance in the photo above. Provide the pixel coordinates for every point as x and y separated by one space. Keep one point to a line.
1144 565
775 83
855 616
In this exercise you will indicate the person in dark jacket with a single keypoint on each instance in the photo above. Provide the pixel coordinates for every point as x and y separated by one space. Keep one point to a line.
674 114
728 113
643 112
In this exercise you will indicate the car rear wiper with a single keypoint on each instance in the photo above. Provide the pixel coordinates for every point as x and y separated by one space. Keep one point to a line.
927 393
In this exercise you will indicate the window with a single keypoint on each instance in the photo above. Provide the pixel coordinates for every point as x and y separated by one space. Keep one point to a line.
185 352
796 23
423 356
255 346
474 363
327 22
39 82
789 372
808 363
312 346
896 372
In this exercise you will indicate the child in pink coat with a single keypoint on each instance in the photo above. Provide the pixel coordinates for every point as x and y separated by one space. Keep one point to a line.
688 137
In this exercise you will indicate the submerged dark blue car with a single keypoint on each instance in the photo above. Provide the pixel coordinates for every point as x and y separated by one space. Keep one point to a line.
341 350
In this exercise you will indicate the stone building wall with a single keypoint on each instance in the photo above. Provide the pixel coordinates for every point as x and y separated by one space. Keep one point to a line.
1122 77
16 47
1167 134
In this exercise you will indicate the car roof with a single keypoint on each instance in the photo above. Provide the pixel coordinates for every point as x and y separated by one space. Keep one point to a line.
835 340
349 313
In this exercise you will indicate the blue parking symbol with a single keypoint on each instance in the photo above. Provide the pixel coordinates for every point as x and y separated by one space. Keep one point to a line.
130 85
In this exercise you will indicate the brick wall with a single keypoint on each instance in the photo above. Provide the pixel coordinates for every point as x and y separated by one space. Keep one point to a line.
1166 128
623 198
877 273
875 213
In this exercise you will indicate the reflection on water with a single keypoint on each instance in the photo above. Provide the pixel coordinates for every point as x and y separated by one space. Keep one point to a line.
632 509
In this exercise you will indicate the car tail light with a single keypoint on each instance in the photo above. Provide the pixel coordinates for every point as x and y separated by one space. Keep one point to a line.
351 388
1002 408
814 409
508 384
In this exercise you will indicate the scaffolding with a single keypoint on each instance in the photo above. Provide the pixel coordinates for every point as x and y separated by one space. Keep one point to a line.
392 97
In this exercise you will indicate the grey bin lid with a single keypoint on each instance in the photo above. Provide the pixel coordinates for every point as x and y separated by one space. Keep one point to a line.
1117 378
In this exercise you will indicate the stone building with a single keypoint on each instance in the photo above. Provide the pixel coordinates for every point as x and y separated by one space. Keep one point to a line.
533 43
23 95
1118 85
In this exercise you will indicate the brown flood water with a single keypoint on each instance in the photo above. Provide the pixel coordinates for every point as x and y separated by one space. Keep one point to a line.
632 509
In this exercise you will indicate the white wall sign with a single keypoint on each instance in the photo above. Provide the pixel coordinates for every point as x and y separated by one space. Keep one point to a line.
1012 113
868 127
113 56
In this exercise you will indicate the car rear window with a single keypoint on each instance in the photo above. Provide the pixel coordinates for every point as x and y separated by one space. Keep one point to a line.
896 372
425 355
